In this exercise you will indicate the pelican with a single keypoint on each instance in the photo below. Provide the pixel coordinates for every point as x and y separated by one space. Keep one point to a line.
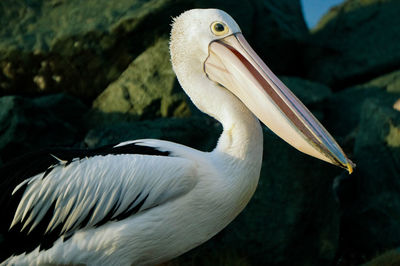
147 201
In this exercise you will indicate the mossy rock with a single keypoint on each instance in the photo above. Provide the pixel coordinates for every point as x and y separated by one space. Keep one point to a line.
146 89
82 46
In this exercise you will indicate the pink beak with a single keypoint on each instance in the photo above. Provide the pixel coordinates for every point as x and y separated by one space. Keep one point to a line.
234 64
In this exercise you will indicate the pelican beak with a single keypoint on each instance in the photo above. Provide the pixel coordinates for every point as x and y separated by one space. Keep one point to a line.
233 64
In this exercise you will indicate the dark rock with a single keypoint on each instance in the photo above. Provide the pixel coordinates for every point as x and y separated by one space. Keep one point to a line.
356 41
312 94
389 82
370 199
75 46
388 258
80 47
344 109
199 132
309 92
277 31
147 89
33 124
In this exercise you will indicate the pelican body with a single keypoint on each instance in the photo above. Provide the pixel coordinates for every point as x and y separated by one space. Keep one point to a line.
147 201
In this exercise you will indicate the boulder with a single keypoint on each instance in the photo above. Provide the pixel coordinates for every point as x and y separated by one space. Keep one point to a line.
75 46
366 124
309 92
343 110
370 199
354 42
80 47
312 94
275 29
146 89
388 258
33 124
389 82
200 132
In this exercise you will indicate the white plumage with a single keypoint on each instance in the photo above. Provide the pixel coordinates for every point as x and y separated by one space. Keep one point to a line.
101 183
137 209
189 200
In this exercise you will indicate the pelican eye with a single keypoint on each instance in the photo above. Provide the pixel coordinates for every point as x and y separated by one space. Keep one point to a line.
219 28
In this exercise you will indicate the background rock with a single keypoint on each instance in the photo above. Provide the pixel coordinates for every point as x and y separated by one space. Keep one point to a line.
312 94
388 258
75 46
80 47
146 89
370 199
200 132
343 110
309 92
389 82
33 124
354 42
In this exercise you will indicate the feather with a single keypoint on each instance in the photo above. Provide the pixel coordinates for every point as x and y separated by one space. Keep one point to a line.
88 191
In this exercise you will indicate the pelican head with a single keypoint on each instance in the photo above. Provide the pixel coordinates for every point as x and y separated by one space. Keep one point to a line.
208 49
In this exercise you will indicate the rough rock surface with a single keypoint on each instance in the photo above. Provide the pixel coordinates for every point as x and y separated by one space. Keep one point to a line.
312 94
309 92
388 258
356 41
389 82
33 124
370 199
80 47
199 132
146 89
72 45
343 110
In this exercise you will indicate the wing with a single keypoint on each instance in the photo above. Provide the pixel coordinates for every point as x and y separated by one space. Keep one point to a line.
82 192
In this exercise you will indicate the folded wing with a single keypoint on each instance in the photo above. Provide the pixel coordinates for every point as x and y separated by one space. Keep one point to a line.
78 193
